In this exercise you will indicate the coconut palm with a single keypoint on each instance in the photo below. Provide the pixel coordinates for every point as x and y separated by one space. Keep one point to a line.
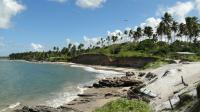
167 20
161 30
114 38
148 31
192 27
174 28
182 30
138 34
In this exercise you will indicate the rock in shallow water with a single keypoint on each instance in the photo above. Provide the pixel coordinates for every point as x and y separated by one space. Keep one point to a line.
45 109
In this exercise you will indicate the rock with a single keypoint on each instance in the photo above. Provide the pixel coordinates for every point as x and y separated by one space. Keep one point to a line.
134 92
130 73
141 74
68 109
46 109
117 82
108 94
86 95
150 76
96 85
38 109
166 73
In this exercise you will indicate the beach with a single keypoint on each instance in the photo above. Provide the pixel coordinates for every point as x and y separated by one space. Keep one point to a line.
164 86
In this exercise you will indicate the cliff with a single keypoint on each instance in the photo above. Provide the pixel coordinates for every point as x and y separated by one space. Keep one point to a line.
100 59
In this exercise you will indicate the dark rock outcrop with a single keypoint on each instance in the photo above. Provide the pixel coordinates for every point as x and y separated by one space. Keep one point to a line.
118 82
37 109
130 74
150 76
134 93
45 109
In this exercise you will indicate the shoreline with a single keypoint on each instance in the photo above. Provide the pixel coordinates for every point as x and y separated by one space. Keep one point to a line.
162 87
99 70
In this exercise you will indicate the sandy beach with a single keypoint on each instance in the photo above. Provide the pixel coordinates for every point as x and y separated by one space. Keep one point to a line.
164 87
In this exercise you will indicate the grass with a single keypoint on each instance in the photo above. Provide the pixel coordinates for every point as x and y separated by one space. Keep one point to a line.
155 64
124 105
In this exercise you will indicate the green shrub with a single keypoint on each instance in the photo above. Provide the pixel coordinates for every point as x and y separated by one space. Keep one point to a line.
185 98
146 45
124 105
115 49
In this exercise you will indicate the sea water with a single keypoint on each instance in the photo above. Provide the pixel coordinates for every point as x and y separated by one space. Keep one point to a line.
43 84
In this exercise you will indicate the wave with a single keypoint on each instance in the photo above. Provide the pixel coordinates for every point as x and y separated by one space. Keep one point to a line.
65 97
70 94
12 106
101 73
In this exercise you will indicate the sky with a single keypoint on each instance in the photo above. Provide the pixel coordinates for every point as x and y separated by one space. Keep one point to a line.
37 25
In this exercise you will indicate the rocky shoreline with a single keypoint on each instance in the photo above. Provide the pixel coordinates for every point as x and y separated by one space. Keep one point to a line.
155 86
100 93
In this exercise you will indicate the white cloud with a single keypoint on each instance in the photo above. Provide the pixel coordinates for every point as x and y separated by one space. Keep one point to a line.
68 41
115 33
90 4
197 5
37 47
179 11
153 22
8 9
90 41
59 1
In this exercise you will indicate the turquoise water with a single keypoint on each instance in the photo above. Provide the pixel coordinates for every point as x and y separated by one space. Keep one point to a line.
48 84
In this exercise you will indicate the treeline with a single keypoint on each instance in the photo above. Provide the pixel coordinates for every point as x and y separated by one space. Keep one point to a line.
168 36
52 55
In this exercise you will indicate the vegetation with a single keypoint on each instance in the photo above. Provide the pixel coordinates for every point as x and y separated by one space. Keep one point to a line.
163 42
124 105
198 91
186 100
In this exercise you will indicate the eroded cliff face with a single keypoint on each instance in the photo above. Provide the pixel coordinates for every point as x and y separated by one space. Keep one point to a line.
100 59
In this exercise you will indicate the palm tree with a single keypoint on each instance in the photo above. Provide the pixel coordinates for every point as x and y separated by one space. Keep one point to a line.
167 19
192 26
69 46
114 39
80 46
174 28
138 33
54 48
148 31
160 30
131 34
182 30
166 24
108 39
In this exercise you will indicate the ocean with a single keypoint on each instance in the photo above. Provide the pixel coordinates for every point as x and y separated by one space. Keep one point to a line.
44 84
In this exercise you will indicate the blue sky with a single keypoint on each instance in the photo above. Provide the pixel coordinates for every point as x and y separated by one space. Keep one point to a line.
42 24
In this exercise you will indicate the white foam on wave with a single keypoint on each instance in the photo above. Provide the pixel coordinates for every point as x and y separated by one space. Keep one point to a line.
70 94
12 106
65 97
101 73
